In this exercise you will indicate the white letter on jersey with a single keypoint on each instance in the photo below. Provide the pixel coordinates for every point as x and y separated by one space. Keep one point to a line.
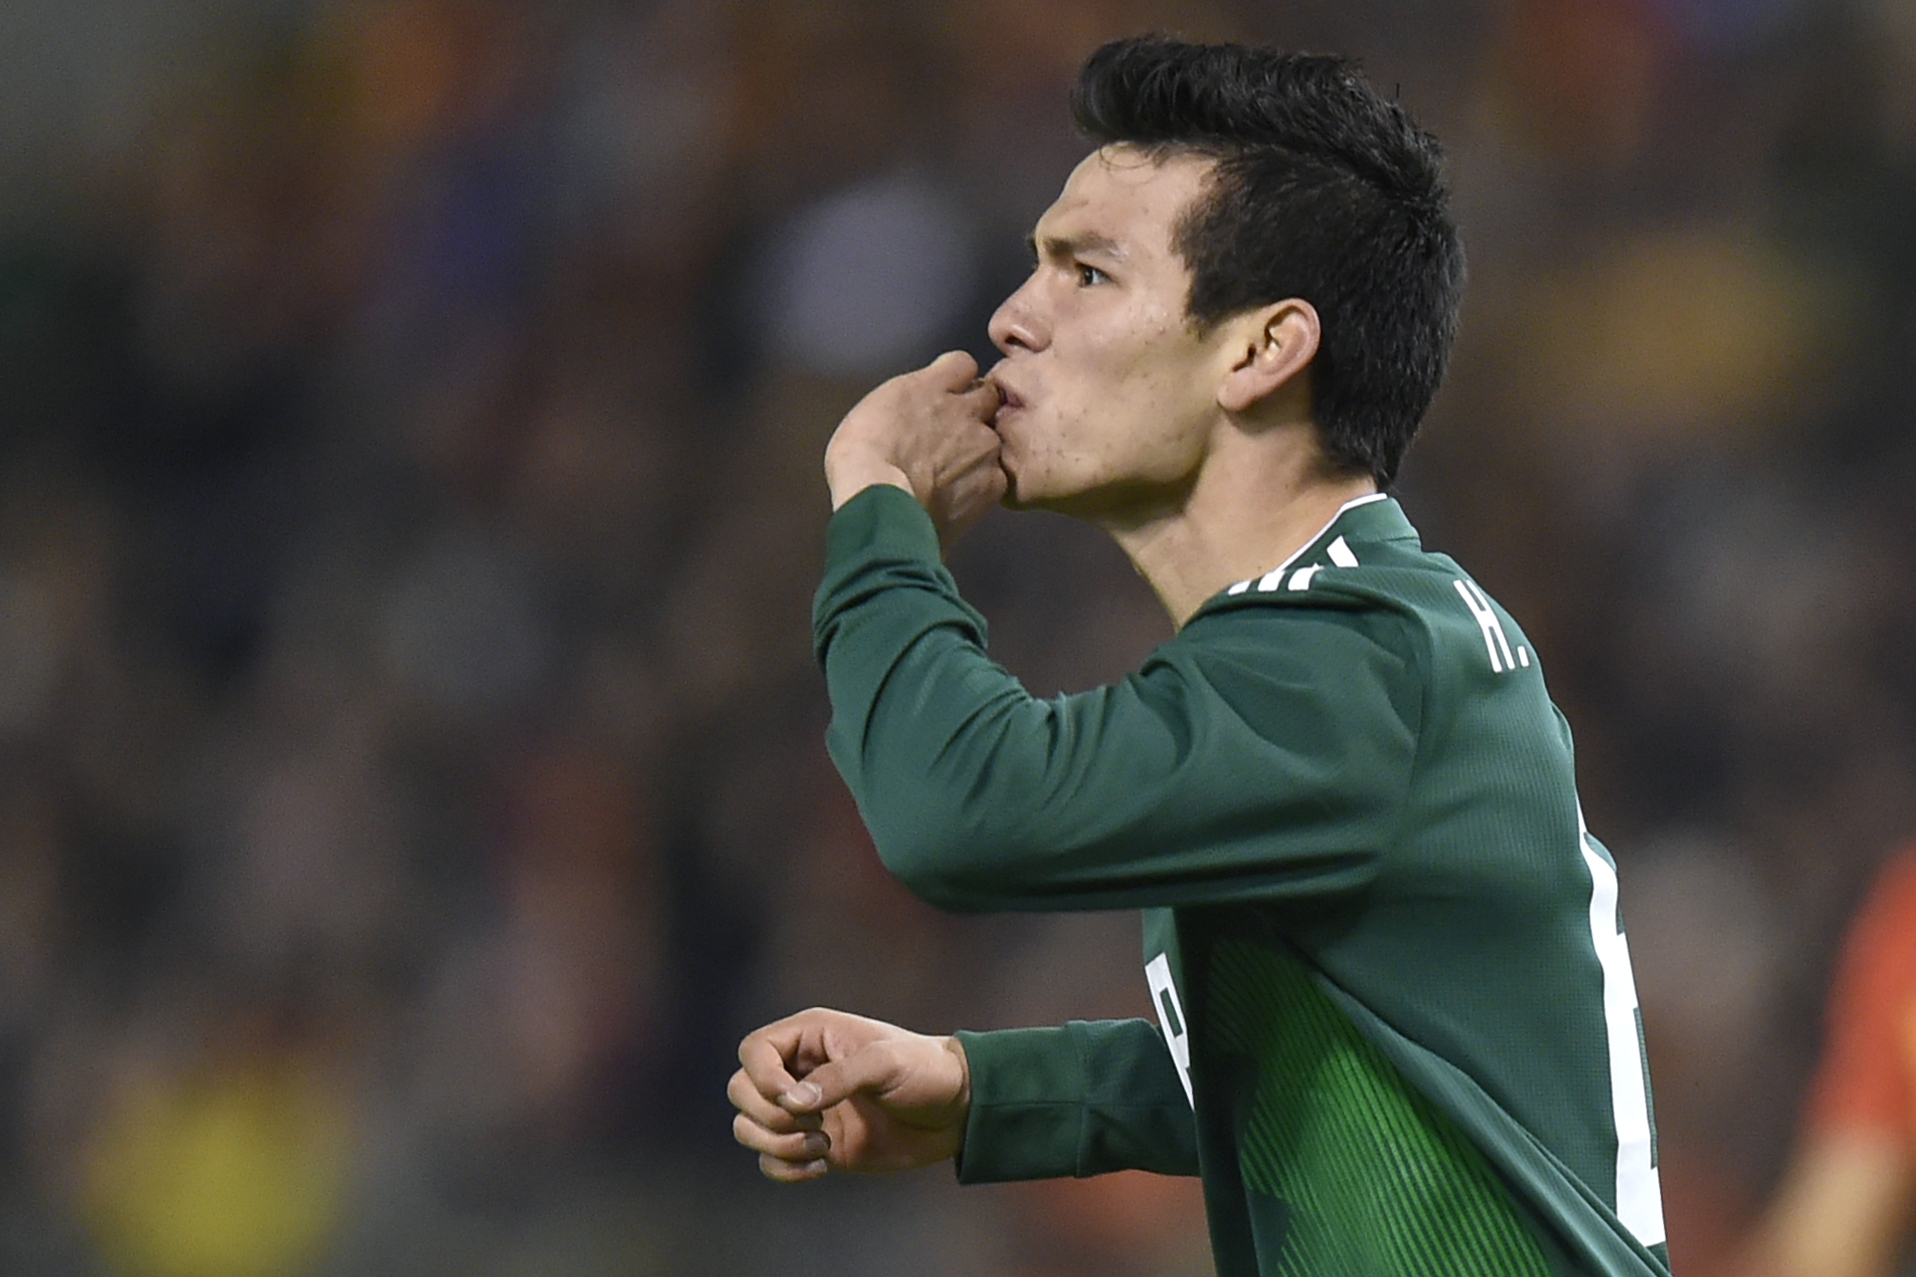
1494 640
1177 1031
1639 1192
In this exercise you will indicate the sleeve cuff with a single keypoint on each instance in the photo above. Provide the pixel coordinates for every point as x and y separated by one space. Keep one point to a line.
1027 1106
882 521
1090 1097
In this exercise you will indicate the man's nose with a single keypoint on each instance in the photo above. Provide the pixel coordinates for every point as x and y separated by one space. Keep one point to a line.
1016 324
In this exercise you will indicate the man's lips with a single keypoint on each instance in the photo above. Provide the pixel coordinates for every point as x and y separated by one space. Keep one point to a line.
1007 397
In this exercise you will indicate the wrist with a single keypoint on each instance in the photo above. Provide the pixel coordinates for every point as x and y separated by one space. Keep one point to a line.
961 1102
961 1095
849 478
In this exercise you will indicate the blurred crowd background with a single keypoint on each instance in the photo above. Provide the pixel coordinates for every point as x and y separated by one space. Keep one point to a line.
410 415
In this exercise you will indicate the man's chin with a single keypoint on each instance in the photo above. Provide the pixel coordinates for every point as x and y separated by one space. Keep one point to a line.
1031 493
1019 496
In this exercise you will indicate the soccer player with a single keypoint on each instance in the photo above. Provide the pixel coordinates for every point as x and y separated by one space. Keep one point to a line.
1396 1027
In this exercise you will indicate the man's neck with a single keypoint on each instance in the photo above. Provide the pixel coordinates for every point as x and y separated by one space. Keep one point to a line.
1250 509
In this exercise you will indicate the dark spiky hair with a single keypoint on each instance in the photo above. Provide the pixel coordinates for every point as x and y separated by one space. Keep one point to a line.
1323 191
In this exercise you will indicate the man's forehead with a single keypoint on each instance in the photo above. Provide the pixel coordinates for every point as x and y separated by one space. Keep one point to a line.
1123 197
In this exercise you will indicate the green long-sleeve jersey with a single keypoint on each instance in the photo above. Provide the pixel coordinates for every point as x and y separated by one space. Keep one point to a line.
1397 1028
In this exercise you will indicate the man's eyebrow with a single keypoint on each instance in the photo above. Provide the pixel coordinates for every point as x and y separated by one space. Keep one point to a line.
1057 246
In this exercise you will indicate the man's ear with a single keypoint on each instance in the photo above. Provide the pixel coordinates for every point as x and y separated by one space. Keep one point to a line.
1269 347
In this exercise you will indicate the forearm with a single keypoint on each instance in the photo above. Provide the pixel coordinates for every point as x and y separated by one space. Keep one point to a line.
1153 791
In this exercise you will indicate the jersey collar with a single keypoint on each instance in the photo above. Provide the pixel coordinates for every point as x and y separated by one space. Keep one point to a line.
1368 519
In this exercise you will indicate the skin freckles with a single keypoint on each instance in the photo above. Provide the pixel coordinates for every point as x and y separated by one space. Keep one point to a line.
1110 392
1195 450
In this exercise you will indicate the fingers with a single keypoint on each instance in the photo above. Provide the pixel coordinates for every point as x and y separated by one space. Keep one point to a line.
992 485
797 1147
953 370
763 1109
763 1056
794 1071
983 399
957 373
870 1068
790 1146
967 497
791 1172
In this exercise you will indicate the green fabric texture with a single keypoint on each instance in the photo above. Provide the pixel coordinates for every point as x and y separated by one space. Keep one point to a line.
1343 776
1376 1178
1083 1099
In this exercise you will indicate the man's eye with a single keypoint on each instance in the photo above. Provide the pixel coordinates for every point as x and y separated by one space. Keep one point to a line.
1089 275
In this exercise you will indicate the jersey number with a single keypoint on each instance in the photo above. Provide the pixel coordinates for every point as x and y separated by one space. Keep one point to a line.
1639 1194
1177 1030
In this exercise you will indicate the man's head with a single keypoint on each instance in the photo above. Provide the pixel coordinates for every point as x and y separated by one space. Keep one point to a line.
1253 224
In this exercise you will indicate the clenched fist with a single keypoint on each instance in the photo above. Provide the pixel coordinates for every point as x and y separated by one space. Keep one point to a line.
824 1090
